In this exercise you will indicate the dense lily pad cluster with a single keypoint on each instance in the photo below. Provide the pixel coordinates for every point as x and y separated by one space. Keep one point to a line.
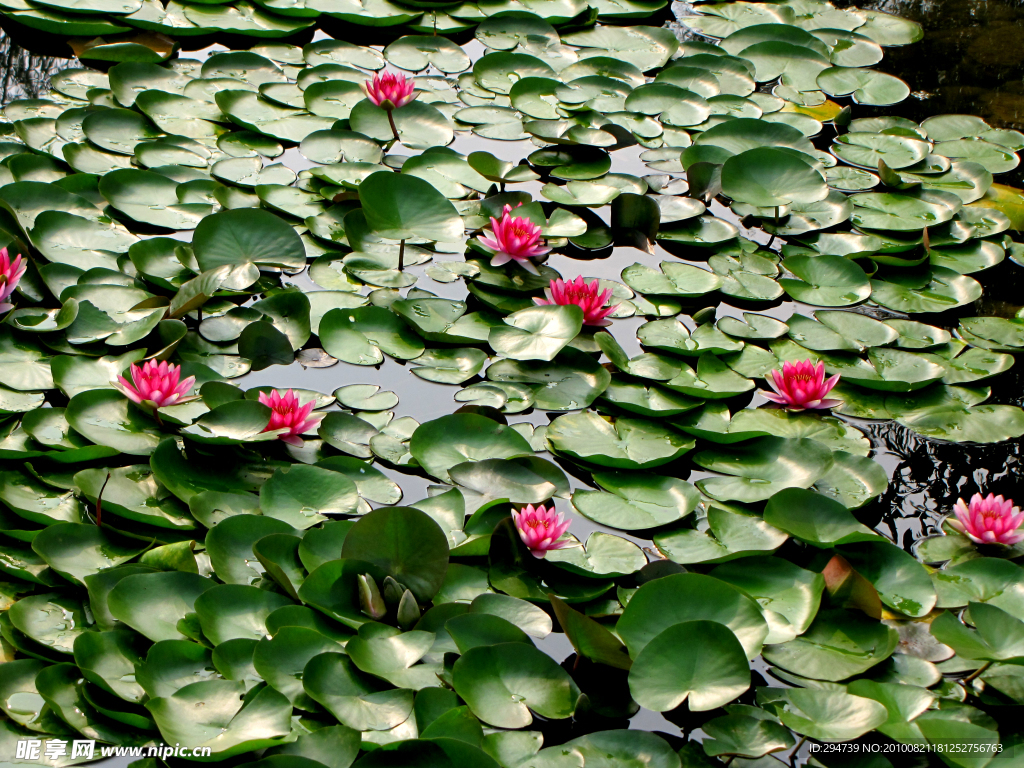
203 573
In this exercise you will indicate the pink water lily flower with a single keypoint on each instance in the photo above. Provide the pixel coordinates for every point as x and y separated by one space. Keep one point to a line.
10 274
541 528
514 239
156 385
587 296
390 90
802 385
288 414
989 520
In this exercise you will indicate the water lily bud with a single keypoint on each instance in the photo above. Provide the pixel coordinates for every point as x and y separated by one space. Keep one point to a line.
408 611
392 592
370 601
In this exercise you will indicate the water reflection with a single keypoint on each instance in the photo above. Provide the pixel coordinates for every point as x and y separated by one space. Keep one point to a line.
970 61
929 476
26 75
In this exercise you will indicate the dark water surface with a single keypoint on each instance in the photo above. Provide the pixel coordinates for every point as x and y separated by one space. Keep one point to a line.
971 59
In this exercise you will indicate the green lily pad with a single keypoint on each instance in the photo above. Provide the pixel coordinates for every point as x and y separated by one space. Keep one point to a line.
701 231
247 237
936 291
404 543
240 724
955 414
790 595
489 679
537 333
624 444
663 603
229 545
868 149
866 86
525 480
442 443
417 52
700 662
672 280
420 125
156 604
363 334
603 555
831 715
126 189
902 582
768 177
108 418
763 467
356 699
52 620
905 210
994 158
302 495
729 535
637 501
815 519
746 735
577 378
231 611
838 645
825 280
75 550
389 653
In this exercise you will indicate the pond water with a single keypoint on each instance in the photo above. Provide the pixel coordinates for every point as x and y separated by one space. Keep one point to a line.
970 61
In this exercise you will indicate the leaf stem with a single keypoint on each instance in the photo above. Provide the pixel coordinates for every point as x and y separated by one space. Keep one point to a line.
793 755
977 672
772 239
99 500
394 128
401 256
